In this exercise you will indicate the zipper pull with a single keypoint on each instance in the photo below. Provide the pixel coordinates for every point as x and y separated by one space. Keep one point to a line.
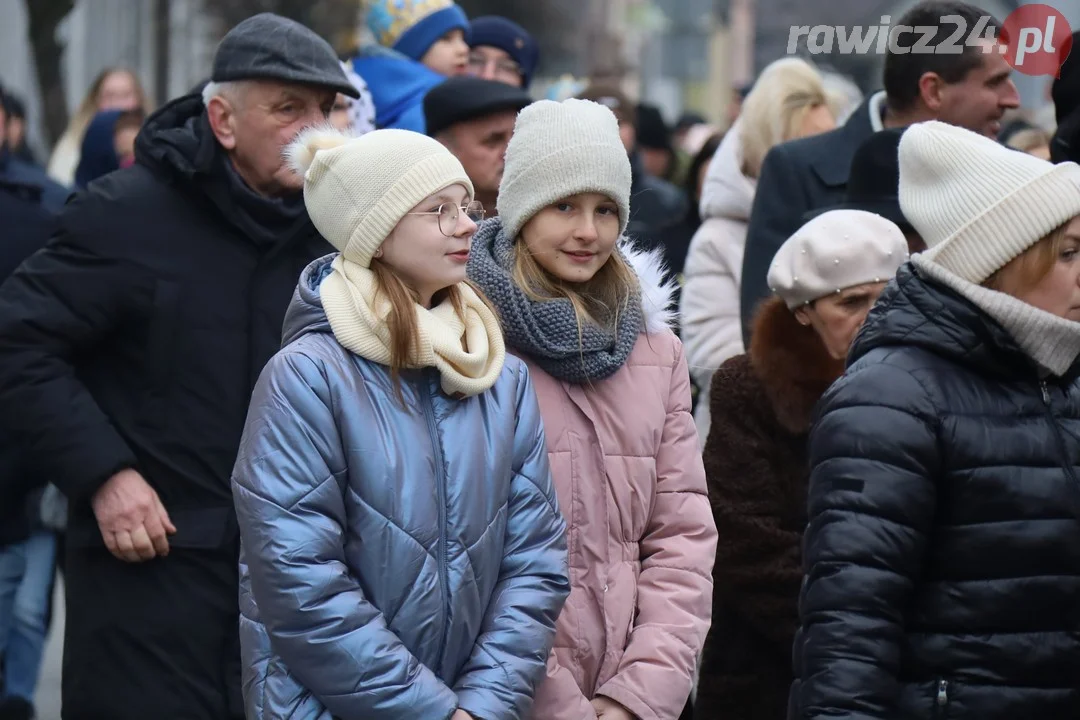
943 693
1045 392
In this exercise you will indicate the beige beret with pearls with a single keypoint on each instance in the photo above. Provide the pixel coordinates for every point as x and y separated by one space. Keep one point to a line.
836 250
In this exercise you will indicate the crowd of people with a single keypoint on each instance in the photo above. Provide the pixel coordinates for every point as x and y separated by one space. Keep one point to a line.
376 387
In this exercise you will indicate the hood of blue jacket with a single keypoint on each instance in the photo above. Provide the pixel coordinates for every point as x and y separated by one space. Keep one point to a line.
98 155
398 85
306 314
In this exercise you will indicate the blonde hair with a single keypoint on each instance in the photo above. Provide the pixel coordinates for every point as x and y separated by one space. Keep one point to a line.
1028 140
1021 274
787 90
89 106
402 323
600 301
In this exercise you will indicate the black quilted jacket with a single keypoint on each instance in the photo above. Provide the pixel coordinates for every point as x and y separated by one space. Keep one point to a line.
942 557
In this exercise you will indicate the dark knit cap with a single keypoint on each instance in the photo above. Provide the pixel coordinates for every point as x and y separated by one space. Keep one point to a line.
1066 88
511 38
652 129
270 47
1066 95
463 98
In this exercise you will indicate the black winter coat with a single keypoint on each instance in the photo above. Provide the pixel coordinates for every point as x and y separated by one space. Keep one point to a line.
942 556
133 340
26 225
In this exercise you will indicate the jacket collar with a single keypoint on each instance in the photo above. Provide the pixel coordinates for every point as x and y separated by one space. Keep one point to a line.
831 160
791 363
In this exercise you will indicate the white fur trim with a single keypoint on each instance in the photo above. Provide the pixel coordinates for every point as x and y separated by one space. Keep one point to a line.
300 153
657 291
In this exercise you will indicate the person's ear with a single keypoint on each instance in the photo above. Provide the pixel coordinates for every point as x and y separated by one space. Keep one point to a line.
932 91
802 314
222 121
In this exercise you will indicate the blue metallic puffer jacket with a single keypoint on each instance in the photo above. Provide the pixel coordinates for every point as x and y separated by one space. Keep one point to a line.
395 565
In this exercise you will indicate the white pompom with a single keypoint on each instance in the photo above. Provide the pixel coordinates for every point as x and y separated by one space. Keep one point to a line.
300 153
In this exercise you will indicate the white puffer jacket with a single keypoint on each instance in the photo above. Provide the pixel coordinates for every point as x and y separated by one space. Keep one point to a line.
711 328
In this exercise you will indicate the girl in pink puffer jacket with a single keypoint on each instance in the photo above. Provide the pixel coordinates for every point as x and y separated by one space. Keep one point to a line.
590 315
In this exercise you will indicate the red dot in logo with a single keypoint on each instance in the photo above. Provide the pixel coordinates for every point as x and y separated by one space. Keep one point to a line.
1036 40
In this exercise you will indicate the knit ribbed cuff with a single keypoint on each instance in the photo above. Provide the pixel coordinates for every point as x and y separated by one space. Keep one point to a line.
1004 231
561 174
425 178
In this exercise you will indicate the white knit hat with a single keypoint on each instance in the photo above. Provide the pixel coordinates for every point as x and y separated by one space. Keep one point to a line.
560 149
357 189
836 250
976 203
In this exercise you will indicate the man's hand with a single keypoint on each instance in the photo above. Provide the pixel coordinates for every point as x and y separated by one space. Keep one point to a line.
132 520
462 715
608 709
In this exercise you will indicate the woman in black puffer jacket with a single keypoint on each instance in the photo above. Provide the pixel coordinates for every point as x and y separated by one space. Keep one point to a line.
942 556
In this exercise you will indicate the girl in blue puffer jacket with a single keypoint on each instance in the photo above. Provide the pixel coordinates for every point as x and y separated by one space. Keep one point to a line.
403 555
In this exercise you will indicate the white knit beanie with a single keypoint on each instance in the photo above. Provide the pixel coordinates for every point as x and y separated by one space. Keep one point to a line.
976 203
560 149
357 189
836 250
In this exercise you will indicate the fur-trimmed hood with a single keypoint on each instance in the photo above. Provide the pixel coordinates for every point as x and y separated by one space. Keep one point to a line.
657 287
792 364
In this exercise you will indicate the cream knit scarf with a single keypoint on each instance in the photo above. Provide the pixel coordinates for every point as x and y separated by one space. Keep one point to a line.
468 353
1051 341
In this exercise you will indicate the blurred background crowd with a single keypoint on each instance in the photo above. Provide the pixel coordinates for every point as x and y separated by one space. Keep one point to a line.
78 79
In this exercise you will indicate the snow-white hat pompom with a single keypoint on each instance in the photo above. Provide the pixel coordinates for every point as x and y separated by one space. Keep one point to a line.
300 153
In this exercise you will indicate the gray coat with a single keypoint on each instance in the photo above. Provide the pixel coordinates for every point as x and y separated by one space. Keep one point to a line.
395 564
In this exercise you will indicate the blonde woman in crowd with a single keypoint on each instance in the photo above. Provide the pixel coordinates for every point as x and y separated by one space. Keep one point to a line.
590 317
403 555
787 102
942 552
113 89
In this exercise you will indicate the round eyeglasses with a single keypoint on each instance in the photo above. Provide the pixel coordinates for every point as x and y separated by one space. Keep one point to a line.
450 215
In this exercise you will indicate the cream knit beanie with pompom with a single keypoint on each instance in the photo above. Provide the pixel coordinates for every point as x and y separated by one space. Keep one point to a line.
560 149
357 189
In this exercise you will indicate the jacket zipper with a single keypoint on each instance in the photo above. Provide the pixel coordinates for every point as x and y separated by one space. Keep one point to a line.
1062 445
440 482
942 701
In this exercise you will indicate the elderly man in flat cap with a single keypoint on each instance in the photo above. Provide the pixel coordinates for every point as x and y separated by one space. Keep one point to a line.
131 346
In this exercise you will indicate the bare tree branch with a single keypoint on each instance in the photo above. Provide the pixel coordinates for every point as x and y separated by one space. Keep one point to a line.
335 20
44 17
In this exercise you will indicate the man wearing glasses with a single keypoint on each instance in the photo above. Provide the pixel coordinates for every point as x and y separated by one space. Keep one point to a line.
503 51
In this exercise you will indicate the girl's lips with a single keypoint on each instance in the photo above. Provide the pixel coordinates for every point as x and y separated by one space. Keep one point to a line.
462 256
581 257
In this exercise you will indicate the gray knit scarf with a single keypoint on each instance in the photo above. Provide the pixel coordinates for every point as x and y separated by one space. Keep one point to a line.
547 331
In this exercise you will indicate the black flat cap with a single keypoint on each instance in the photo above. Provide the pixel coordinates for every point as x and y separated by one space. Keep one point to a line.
467 98
270 47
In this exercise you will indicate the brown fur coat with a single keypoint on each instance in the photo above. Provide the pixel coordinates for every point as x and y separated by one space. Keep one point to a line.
756 464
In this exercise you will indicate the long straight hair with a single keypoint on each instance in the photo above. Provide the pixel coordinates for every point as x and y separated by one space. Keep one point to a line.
600 301
402 323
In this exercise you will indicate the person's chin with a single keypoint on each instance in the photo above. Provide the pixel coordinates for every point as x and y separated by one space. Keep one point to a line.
578 273
455 275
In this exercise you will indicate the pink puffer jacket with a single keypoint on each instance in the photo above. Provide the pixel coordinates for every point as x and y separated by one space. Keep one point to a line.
627 466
